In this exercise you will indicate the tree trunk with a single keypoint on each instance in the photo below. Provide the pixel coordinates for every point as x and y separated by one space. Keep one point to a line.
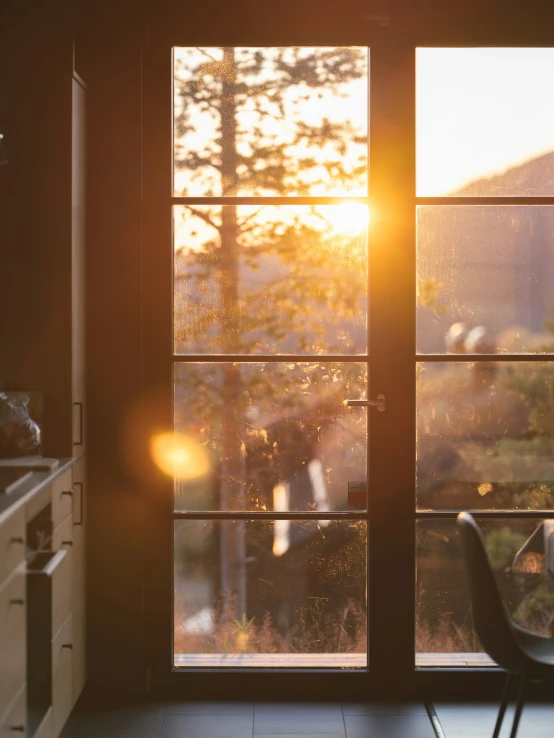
232 490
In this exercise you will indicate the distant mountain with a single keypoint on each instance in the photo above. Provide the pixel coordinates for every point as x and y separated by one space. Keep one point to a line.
533 178
494 265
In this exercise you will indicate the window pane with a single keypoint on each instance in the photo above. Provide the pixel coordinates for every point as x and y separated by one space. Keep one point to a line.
269 436
488 270
485 122
444 624
270 593
271 280
270 121
485 436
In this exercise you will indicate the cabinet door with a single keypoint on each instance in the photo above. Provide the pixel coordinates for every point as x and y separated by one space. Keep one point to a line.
78 96
79 578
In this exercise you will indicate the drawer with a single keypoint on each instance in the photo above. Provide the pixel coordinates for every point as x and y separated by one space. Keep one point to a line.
62 494
13 628
14 721
12 544
62 676
49 579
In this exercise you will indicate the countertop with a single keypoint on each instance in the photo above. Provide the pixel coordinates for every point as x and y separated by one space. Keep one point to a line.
31 488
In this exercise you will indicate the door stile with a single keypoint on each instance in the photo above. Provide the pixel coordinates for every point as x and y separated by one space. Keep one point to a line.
157 399
392 350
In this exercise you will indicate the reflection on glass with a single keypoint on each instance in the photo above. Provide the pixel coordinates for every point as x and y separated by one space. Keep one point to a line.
277 436
485 436
270 121
246 605
489 268
485 122
271 280
444 624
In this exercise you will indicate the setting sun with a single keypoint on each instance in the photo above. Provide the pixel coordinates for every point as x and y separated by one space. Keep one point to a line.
348 218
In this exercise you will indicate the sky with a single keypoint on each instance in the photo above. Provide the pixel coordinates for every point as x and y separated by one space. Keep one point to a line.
479 112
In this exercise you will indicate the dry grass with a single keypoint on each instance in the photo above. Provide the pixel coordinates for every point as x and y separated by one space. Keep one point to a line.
343 632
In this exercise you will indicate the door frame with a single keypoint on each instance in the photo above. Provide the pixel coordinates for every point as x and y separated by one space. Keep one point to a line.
391 508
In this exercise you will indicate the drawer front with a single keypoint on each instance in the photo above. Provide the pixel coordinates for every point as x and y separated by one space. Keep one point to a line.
62 677
12 544
13 628
14 721
62 498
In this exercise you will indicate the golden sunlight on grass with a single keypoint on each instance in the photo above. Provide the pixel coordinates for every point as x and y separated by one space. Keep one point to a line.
179 456
348 218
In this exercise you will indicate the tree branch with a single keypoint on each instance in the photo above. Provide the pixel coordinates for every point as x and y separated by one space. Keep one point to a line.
204 217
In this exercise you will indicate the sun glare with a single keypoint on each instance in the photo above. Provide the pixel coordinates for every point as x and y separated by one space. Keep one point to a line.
179 456
347 218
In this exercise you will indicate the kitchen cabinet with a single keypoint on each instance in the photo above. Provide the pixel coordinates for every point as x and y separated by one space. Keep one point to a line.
42 601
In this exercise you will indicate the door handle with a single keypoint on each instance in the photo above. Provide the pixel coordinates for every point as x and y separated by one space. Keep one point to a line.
379 403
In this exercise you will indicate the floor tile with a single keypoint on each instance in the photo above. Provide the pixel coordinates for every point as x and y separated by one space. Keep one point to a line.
103 720
210 708
478 720
293 718
207 726
388 726
384 708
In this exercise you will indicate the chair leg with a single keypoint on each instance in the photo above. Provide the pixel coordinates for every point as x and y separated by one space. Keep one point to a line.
519 707
510 678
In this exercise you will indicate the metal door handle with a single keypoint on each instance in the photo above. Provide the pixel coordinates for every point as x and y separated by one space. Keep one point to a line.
379 403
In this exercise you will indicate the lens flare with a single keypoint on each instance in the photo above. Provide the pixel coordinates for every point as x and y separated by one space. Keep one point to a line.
179 456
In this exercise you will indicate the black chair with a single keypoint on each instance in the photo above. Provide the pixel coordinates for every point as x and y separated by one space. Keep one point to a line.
523 655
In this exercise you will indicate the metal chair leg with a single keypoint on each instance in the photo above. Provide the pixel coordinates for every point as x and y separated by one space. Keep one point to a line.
519 707
510 678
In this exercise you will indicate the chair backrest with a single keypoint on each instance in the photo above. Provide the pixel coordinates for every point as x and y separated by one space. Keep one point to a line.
490 618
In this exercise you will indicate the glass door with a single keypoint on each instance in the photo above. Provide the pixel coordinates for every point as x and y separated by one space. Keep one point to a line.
280 245
294 530
484 372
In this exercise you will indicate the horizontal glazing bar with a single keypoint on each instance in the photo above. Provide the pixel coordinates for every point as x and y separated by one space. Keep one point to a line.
484 200
256 359
540 514
472 358
269 515
267 200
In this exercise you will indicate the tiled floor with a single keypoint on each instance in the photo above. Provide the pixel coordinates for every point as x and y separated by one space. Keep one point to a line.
246 720
272 720
477 721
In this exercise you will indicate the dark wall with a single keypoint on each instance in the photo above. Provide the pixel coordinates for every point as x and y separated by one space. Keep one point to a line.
109 55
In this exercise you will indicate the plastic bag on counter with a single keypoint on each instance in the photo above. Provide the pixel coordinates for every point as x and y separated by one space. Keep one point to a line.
19 434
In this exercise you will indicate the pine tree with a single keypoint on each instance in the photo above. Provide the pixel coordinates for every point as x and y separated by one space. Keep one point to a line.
254 279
